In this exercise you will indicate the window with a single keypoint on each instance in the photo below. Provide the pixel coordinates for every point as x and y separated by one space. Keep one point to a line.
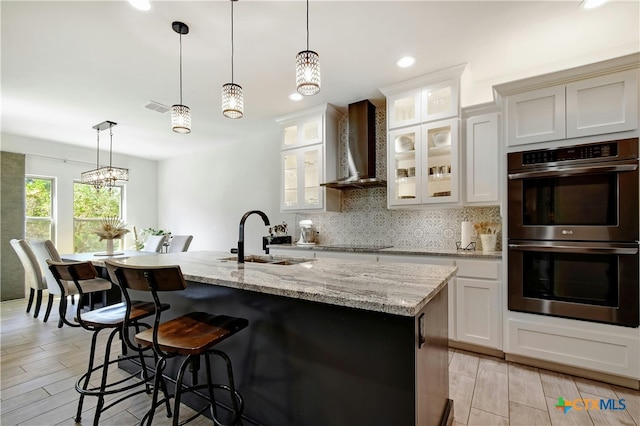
89 207
39 208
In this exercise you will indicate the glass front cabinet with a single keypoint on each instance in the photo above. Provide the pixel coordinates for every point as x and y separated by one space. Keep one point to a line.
423 145
308 158
423 164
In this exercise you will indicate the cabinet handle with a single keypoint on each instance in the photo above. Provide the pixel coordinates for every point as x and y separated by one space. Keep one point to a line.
421 337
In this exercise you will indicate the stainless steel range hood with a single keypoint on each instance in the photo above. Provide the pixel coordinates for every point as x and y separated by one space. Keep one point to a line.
361 151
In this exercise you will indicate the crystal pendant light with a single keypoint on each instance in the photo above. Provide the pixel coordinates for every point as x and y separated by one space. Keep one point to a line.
180 114
103 177
308 68
232 103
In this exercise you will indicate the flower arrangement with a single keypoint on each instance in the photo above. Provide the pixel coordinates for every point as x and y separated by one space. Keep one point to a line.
487 227
144 234
111 228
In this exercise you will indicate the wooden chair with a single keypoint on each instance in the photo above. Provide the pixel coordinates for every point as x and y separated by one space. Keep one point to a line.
45 250
179 243
111 318
189 336
32 274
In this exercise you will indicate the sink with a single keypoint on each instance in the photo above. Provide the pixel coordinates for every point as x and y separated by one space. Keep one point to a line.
271 260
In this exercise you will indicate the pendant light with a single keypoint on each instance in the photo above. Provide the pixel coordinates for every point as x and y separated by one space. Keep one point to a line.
180 114
104 176
232 103
308 68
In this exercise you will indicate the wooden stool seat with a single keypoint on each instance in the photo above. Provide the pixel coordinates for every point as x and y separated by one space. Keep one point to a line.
113 315
193 333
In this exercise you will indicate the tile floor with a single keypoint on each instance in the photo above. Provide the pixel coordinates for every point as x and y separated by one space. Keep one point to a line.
39 364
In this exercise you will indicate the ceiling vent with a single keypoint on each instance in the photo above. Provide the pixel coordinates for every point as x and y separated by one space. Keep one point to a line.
156 106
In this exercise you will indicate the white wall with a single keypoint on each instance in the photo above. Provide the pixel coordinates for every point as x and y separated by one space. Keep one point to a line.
47 158
207 194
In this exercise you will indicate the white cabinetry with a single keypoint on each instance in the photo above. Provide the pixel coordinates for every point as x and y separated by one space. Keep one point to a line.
308 158
478 307
603 104
422 140
591 100
481 159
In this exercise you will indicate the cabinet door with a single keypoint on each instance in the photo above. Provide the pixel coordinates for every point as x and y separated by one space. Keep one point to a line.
439 162
440 101
536 116
404 109
478 312
482 159
303 132
302 170
603 104
404 174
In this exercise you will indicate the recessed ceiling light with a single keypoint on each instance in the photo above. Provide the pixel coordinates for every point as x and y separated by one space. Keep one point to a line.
406 61
590 4
296 96
143 5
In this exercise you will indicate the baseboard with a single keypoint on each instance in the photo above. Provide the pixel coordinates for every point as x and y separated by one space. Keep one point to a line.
575 371
476 348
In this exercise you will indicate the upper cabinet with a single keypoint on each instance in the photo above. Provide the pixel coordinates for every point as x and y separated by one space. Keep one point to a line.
423 146
309 150
482 147
591 100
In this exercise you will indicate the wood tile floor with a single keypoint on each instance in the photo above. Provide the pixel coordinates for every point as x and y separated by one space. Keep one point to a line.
39 364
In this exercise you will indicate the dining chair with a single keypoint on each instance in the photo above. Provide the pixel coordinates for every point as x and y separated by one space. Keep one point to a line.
154 243
180 243
45 250
32 274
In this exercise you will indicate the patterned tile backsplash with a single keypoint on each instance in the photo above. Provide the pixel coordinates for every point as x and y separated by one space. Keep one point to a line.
365 219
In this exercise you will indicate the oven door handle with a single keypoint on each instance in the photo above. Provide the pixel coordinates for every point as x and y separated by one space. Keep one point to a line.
574 249
569 171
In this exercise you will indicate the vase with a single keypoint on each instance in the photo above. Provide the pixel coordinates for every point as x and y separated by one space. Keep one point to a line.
109 247
488 242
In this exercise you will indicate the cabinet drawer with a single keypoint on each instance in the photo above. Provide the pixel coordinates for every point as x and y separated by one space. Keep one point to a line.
479 269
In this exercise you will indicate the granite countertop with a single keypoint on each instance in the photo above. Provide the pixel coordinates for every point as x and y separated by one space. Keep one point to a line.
478 254
393 288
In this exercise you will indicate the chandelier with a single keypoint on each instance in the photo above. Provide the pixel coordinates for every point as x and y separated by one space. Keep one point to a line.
232 102
180 114
308 68
104 177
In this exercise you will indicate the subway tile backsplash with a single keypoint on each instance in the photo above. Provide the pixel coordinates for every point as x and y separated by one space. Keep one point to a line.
365 219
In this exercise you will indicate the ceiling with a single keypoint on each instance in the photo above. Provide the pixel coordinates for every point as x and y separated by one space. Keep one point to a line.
67 66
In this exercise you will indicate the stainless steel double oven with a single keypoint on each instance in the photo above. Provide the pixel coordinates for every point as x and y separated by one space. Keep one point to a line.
573 232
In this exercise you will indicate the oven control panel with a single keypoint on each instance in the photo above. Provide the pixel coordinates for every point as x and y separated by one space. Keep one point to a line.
572 153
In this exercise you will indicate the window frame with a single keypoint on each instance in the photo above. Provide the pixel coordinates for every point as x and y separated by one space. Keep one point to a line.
53 206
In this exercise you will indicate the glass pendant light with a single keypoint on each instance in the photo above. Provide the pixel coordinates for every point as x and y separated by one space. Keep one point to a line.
180 114
308 68
102 177
232 102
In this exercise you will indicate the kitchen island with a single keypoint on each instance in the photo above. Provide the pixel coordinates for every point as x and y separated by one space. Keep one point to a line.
330 342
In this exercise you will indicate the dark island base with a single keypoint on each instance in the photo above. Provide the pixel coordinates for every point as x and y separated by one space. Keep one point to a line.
304 363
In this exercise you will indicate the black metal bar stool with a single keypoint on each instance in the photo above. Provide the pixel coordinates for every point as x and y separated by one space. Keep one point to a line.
190 336
110 318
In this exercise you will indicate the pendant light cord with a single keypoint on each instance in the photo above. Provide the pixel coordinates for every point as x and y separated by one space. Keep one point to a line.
307 24
180 68
232 49
98 150
111 142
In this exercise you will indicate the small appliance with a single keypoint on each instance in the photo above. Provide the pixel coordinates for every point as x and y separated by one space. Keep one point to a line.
307 233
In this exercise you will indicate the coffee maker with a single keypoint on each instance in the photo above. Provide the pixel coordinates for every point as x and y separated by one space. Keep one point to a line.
307 233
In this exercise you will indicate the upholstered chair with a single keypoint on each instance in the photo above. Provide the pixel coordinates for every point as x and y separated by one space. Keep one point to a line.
180 243
154 243
46 250
32 274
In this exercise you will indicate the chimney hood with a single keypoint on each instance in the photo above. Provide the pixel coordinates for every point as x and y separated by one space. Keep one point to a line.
361 150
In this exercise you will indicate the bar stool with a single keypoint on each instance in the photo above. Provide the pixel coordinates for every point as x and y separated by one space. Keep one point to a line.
111 318
189 336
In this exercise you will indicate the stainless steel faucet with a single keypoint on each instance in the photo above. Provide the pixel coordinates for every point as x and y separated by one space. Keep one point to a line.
240 249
